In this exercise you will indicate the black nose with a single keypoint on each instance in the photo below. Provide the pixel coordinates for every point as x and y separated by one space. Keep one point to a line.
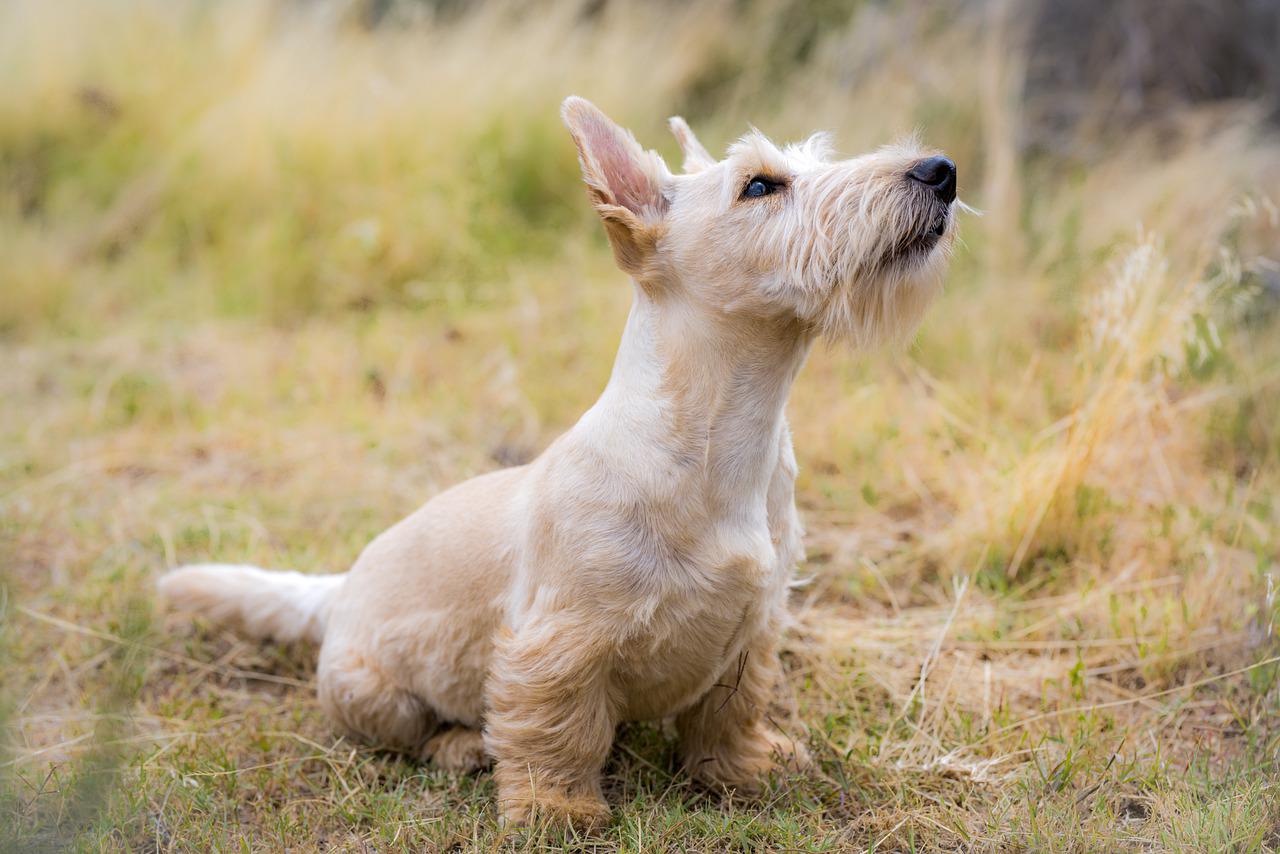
938 174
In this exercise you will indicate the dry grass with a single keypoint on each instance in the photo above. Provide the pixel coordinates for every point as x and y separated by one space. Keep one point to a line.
271 279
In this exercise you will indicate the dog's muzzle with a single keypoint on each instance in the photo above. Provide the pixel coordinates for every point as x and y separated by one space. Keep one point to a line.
939 175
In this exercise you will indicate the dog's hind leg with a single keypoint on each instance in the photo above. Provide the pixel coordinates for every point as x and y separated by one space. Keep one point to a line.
457 748
370 706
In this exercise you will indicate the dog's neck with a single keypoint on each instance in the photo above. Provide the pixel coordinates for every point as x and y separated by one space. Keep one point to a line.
707 391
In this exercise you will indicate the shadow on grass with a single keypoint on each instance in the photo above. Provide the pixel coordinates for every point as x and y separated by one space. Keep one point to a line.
53 810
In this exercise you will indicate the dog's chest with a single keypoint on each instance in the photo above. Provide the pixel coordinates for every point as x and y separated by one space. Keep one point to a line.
696 631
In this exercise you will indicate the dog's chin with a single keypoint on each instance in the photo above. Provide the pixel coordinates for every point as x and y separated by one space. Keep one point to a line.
885 307
882 302
919 246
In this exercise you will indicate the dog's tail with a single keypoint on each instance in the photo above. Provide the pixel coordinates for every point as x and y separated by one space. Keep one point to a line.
286 606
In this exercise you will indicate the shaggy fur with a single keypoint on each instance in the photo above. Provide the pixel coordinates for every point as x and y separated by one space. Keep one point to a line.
639 567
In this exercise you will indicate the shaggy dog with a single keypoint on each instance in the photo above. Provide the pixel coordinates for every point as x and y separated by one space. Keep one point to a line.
639 567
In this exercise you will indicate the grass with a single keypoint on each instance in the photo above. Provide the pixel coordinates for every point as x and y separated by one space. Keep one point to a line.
272 278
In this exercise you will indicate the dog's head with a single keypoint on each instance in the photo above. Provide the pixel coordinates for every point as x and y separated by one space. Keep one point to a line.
854 249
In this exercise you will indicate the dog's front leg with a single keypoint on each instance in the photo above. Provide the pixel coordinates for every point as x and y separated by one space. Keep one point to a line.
726 738
550 724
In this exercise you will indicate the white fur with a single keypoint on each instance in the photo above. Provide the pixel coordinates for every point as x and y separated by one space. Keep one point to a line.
639 567
286 606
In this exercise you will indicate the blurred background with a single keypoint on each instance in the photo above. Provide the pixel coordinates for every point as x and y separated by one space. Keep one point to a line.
273 273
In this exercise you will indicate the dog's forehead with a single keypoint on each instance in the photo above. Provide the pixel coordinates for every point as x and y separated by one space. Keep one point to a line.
756 149
816 150
751 155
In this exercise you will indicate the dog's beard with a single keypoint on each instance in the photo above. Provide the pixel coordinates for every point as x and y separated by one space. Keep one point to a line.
926 225
882 302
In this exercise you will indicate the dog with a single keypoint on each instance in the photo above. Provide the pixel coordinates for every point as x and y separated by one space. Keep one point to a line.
639 568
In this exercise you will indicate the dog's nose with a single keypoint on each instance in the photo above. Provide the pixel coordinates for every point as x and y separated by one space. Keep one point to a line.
938 174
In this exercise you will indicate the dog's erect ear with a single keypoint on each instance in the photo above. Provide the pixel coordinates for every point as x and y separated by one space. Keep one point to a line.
624 180
696 157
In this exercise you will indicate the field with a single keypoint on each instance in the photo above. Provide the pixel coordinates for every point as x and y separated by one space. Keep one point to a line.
271 275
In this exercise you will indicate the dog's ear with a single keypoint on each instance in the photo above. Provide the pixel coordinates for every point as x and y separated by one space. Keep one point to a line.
625 182
696 157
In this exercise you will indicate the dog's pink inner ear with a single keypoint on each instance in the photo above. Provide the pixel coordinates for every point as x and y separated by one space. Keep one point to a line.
617 170
630 186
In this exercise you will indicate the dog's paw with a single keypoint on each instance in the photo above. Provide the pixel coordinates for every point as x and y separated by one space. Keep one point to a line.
583 814
745 764
459 749
789 754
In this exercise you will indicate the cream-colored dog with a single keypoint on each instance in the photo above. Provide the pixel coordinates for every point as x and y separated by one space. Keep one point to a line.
639 568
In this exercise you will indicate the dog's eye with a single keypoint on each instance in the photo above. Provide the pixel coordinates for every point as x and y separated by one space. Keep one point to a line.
759 186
